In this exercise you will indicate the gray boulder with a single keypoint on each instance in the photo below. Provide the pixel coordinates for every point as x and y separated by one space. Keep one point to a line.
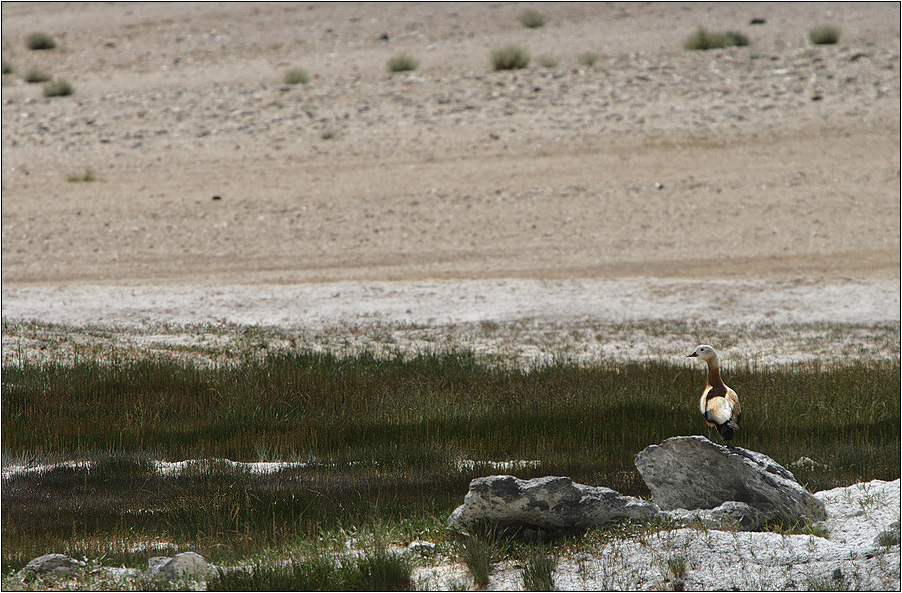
189 566
694 473
549 503
53 565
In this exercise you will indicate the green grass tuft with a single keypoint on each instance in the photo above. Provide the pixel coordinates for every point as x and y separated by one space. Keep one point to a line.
548 61
587 59
677 566
476 549
538 571
402 63
824 35
296 76
88 176
509 57
7 67
40 41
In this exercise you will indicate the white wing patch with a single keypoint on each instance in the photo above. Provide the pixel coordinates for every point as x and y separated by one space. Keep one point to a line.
720 410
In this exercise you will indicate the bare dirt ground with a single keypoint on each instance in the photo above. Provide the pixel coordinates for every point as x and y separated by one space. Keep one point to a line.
748 196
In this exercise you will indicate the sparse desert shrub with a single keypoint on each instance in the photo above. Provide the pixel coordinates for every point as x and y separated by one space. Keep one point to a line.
510 57
34 76
703 40
824 35
58 88
402 63
587 59
7 67
296 76
38 41
532 19
89 175
736 39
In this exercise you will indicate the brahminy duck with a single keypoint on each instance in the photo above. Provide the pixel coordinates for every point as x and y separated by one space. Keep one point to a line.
719 404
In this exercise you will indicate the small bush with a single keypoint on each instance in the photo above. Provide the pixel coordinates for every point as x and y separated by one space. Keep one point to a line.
58 88
35 76
532 19
587 59
296 76
824 35
7 67
38 41
510 57
704 40
402 63
548 62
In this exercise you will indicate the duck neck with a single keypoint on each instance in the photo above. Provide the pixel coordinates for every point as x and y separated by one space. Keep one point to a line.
714 373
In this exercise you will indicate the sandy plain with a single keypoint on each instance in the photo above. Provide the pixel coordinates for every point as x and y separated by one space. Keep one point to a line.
656 198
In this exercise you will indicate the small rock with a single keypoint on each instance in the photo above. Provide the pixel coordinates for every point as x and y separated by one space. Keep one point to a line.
187 565
807 463
757 21
551 503
52 565
729 515
422 548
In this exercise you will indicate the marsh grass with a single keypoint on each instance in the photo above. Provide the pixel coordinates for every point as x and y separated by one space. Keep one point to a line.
380 439
375 569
